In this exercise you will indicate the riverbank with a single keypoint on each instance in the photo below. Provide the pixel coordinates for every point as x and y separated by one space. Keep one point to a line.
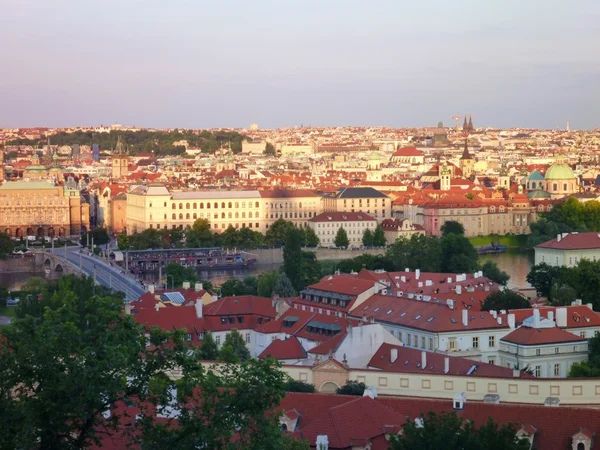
509 240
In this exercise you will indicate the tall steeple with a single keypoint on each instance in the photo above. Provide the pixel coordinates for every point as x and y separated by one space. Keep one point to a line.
470 126
465 125
466 154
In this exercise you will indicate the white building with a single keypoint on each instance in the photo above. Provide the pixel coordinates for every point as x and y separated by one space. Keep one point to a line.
327 224
540 345
568 249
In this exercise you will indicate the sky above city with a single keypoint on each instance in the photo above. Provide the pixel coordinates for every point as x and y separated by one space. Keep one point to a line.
280 63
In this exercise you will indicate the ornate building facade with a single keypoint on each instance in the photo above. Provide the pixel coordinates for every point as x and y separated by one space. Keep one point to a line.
39 208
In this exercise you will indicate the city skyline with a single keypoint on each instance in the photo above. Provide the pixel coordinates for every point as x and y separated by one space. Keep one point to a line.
184 65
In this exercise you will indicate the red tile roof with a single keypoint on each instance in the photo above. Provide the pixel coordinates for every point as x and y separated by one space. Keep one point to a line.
245 304
409 361
577 316
408 151
573 241
289 348
540 336
343 284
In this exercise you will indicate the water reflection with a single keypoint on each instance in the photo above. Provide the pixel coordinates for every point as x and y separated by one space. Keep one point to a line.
514 262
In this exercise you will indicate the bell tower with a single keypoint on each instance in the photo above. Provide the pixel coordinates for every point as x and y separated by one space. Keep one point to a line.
466 162
120 160
445 177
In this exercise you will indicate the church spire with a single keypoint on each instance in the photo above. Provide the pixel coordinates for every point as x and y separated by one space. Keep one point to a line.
466 154
465 125
470 126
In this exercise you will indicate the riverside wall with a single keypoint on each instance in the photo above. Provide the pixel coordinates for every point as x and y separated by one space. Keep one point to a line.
271 256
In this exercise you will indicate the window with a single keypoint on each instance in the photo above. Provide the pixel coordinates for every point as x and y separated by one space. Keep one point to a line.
582 334
556 370
408 338
492 341
538 352
218 340
491 360
430 344
538 371
247 338
422 341
188 337
181 206
223 205
174 206
187 206
475 342
556 350
452 344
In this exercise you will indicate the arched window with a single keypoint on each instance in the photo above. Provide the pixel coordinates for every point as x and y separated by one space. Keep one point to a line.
187 216
207 205
493 209
201 205
195 216
181 206
229 205
256 204
223 205
222 215
300 205
237 215
243 204
180 216
555 187
174 215
250 215
237 205
195 206
229 215
217 205
187 206
243 214
174 206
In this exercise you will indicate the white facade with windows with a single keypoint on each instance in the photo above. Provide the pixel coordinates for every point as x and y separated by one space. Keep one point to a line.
326 226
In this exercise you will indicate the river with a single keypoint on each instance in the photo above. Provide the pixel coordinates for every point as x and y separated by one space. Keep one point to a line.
514 262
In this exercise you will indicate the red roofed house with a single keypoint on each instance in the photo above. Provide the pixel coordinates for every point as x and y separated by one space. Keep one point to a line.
568 249
410 155
397 228
327 224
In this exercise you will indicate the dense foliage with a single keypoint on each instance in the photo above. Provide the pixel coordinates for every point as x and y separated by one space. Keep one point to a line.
591 367
449 431
72 356
562 285
98 235
341 238
506 300
352 387
159 142
6 245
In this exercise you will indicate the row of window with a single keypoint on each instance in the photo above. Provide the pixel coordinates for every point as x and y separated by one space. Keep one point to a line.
230 215
201 205
215 226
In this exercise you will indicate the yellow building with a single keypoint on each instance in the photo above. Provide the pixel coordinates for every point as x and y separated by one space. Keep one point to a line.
359 199
154 206
39 208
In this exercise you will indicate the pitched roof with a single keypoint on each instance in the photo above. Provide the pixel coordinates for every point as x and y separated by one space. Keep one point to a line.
334 216
577 316
360 192
343 284
573 241
289 348
539 336
407 151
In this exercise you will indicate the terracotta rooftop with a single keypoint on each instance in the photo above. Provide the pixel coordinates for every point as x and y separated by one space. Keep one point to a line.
573 241
540 336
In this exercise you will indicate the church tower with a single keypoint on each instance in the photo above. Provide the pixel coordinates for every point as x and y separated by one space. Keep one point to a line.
120 161
466 162
470 125
503 178
445 177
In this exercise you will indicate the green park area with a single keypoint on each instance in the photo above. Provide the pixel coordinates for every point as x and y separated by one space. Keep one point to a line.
509 240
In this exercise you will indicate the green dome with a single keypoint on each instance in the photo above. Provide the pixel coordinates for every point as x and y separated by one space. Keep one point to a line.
374 156
538 194
559 172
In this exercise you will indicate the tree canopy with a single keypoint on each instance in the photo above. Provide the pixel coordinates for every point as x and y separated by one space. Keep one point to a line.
6 245
379 237
367 238
491 271
292 256
352 387
177 274
341 238
448 431
506 299
452 227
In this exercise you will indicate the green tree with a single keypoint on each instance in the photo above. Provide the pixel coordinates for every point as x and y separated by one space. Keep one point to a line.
299 386
269 150
310 269
506 300
292 443
292 256
199 235
458 254
379 237
123 241
99 235
452 227
491 271
352 387
230 238
542 276
591 367
209 351
266 283
79 352
147 239
365 261
448 431
247 286
341 238
367 238
562 294
34 285
545 230
180 274
283 287
234 348
276 234
418 252
6 245
310 237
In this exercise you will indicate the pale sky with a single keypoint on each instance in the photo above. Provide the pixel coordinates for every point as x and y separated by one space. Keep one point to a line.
229 63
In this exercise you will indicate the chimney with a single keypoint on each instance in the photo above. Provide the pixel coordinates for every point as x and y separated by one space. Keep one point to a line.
551 316
186 285
511 321
407 270
417 273
465 317
449 280
151 288
403 278
156 307
536 318
590 305
561 317
198 307
493 313
446 364
423 360
128 308
322 442
198 287
450 303
516 373
393 355
559 237
460 398
370 391
578 302
458 289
